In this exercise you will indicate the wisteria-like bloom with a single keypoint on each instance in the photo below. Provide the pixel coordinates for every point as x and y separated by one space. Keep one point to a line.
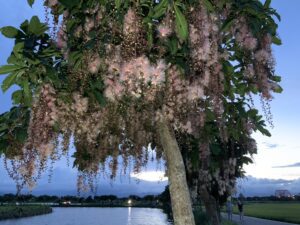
133 75
94 64
52 3
244 36
195 92
80 104
130 22
89 24
262 56
62 38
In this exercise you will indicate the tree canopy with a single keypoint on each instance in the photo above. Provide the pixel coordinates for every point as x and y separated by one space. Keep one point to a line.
105 72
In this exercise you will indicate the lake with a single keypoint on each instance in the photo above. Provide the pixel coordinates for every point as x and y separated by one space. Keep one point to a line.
95 216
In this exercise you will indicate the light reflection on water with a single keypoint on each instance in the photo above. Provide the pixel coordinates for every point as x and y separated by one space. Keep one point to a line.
95 216
129 216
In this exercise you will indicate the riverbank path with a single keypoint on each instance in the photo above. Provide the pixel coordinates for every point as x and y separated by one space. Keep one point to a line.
256 221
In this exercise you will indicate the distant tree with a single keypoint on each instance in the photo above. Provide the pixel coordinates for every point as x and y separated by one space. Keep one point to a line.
134 197
89 199
9 198
105 198
120 75
149 197
165 195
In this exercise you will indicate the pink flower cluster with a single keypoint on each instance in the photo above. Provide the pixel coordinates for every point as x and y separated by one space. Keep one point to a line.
51 3
62 38
244 36
134 75
94 63
131 22
41 141
43 118
264 66
164 31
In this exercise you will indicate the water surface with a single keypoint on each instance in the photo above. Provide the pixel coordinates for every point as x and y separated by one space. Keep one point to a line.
95 216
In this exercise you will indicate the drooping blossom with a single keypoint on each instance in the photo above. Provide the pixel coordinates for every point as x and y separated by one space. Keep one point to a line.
94 63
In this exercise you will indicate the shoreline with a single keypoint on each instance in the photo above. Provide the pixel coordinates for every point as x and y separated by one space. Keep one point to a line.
16 212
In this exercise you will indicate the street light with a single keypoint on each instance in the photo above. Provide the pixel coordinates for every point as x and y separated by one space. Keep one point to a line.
129 202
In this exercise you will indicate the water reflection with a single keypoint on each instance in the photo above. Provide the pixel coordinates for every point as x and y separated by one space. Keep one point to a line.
129 216
96 216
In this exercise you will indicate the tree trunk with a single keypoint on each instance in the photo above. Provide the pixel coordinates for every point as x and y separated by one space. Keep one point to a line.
179 192
210 206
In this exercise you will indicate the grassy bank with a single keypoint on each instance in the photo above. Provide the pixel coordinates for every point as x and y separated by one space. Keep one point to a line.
11 211
285 212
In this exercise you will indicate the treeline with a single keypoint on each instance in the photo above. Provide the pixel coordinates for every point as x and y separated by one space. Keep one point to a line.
12 198
272 198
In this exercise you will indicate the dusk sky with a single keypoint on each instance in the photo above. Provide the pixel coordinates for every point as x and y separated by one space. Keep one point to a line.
277 165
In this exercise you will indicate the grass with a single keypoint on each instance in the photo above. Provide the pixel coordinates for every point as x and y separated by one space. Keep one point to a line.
226 222
12 211
285 212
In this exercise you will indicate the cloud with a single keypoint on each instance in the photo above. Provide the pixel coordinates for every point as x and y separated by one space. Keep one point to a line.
151 176
64 182
288 166
270 145
251 186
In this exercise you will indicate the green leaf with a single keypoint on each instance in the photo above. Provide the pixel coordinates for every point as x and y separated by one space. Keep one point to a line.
3 145
9 31
173 46
3 127
264 131
267 4
209 5
30 2
277 88
100 98
70 3
181 24
246 160
27 92
9 81
21 135
276 40
75 59
160 9
36 27
17 97
227 24
215 149
24 26
9 68
150 37
18 49
118 3
276 78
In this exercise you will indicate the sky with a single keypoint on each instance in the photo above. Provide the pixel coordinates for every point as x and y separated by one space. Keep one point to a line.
277 164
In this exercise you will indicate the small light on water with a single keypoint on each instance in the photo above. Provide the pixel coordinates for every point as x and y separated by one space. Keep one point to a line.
129 202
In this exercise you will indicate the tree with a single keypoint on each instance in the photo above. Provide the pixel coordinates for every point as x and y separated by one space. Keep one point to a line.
119 75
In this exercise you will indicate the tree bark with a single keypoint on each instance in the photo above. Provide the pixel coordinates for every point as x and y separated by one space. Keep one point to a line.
210 206
179 191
